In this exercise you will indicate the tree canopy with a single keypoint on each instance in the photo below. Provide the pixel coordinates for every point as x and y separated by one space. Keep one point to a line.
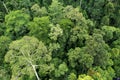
59 39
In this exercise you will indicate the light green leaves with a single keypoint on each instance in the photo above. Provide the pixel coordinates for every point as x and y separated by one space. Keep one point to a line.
74 15
72 76
85 77
100 74
37 11
109 32
55 32
62 69
26 55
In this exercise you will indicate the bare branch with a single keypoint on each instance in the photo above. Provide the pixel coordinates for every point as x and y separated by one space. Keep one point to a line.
5 7
33 66
80 2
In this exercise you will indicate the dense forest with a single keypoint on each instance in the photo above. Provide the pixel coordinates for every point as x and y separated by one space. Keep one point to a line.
59 39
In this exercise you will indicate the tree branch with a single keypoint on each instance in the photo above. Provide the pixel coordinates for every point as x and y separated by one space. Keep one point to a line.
33 66
80 2
5 7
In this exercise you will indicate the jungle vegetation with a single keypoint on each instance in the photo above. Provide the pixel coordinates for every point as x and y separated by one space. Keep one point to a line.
59 39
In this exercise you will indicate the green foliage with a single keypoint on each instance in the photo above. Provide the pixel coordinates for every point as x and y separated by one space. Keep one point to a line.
2 29
77 57
66 23
85 77
4 74
72 76
55 10
17 4
15 23
115 57
37 11
109 8
39 28
95 9
59 39
105 20
116 43
74 15
99 74
55 32
25 56
96 46
109 32
78 36
62 69
1 16
4 45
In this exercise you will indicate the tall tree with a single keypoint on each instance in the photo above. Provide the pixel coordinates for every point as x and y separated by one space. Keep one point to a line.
29 59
